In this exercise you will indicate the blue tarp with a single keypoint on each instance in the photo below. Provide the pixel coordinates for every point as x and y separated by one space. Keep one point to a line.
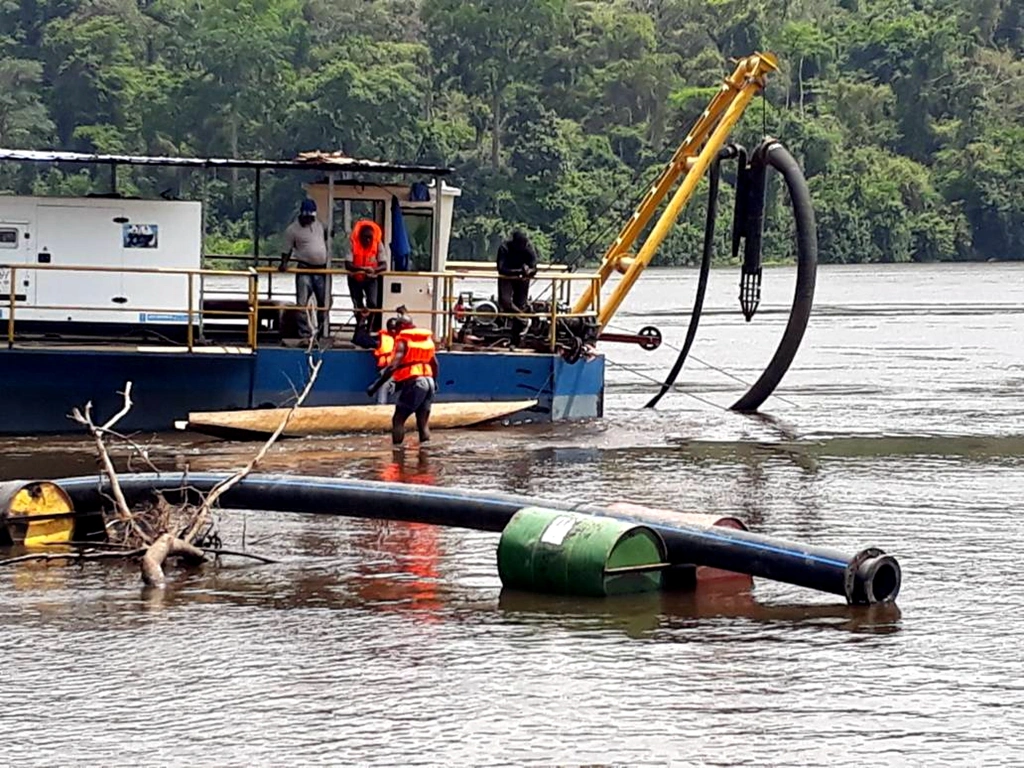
400 248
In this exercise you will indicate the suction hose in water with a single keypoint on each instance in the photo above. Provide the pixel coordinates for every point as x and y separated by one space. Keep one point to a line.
714 177
775 155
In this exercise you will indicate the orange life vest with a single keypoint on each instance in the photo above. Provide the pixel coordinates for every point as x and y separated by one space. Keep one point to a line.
419 352
365 258
385 349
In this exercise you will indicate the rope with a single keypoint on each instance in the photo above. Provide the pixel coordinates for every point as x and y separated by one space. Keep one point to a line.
677 387
706 365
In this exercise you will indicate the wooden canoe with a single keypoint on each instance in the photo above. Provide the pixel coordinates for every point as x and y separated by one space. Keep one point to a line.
342 419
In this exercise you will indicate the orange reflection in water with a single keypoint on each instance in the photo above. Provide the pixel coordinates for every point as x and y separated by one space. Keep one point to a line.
401 470
400 570
401 567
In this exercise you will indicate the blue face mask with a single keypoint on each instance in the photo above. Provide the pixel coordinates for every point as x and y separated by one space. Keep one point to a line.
306 219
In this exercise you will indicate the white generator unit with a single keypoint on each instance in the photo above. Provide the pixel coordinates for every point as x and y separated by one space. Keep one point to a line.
112 234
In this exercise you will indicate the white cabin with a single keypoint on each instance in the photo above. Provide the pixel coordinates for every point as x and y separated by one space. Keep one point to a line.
429 236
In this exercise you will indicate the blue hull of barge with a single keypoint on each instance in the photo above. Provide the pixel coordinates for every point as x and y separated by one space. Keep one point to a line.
40 386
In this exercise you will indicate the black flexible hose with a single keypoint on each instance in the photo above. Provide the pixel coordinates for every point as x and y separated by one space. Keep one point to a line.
807 264
705 269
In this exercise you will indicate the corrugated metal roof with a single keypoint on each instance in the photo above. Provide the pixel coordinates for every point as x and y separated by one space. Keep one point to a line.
316 161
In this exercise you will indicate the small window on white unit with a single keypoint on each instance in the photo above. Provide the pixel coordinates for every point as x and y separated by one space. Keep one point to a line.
8 237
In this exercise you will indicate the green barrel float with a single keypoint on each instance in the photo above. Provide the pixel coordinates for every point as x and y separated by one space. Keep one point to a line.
568 553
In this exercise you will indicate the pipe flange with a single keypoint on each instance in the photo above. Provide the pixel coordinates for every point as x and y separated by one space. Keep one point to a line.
850 577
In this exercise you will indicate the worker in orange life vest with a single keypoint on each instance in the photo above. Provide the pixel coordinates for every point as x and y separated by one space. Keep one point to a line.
384 352
366 260
414 370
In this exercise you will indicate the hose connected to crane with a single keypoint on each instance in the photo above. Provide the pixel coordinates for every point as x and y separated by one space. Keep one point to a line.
776 156
748 226
714 177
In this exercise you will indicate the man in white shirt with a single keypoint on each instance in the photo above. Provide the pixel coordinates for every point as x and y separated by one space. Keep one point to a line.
306 239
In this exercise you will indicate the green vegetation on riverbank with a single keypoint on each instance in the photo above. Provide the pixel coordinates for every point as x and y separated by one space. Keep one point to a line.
906 115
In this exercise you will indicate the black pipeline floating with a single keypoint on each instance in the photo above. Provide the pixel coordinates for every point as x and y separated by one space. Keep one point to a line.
869 576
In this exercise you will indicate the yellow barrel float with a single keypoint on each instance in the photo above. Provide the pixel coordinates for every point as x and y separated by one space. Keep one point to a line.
567 553
35 513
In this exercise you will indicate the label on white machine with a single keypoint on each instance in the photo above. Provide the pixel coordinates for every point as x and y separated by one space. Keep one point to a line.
557 530
5 280
163 317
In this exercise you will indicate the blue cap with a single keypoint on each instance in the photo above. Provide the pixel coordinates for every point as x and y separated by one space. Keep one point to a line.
308 206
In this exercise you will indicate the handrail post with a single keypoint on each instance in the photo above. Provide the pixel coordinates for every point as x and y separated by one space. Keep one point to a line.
433 305
253 306
325 312
554 313
202 293
449 312
10 301
191 308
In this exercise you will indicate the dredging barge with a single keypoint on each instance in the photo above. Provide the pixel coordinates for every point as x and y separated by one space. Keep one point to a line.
102 290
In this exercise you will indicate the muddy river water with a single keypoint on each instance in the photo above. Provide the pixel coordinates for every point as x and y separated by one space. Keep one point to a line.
900 426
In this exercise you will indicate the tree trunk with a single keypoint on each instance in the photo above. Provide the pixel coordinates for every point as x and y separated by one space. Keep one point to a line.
428 102
800 82
496 97
166 546
234 151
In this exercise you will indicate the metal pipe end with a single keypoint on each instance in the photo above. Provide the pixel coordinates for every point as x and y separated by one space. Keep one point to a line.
873 577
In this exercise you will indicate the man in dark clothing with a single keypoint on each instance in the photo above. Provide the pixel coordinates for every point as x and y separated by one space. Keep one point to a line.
517 264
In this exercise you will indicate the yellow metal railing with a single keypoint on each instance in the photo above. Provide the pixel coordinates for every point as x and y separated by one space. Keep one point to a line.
446 286
258 303
192 313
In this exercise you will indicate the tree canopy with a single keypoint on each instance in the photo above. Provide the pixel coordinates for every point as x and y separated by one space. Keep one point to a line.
906 115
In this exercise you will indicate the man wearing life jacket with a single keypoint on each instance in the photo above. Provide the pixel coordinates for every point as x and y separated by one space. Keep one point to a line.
365 261
384 352
414 370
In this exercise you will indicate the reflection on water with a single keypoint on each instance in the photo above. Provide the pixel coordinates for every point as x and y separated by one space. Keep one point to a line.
394 644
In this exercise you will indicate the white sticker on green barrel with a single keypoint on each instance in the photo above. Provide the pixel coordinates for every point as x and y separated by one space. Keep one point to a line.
557 530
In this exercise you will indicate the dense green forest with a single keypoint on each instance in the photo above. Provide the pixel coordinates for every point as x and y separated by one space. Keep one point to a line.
907 115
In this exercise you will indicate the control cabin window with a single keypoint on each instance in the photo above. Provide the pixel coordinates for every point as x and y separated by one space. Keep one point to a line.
8 237
419 225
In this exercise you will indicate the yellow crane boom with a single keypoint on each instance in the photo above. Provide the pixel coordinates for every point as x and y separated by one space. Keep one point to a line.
691 161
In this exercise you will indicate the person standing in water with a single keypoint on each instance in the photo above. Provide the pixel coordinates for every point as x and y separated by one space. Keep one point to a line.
414 369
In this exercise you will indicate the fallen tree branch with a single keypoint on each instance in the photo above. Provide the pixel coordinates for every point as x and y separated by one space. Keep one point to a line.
152 525
166 546
223 487
85 418
80 555
142 452
122 550
234 553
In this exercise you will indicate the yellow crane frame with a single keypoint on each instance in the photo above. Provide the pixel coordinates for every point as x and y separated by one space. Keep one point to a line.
691 161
